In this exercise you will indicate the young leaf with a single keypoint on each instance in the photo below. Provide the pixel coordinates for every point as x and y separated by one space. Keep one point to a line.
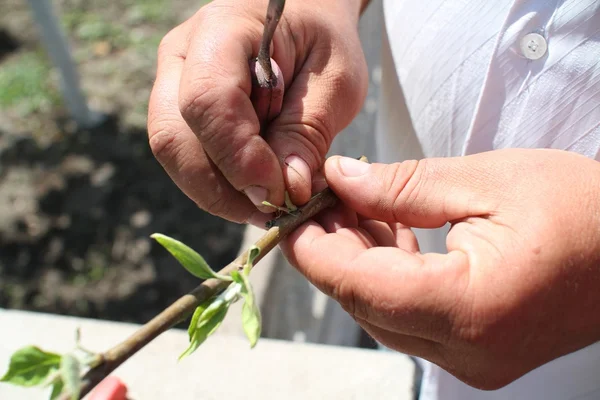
192 261
206 328
70 371
252 254
207 320
57 388
30 366
199 310
237 277
251 318
251 322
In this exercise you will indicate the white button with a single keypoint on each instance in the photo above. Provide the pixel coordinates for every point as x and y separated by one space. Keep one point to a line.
534 46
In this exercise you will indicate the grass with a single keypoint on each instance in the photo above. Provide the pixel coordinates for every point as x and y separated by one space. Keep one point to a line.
89 27
149 11
25 83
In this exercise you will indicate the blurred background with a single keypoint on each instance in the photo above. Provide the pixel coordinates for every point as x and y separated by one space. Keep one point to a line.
77 205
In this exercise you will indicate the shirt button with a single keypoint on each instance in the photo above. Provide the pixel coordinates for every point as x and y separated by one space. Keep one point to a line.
534 46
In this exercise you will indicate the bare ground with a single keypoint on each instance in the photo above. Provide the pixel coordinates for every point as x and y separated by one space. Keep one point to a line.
77 206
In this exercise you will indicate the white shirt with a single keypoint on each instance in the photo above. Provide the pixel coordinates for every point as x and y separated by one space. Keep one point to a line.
466 76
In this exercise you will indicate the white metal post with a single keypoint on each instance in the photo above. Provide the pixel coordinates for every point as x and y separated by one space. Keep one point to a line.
56 46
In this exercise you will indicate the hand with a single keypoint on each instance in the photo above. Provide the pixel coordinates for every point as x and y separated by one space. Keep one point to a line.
518 286
203 127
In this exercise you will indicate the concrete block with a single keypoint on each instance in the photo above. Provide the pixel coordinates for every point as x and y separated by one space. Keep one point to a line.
223 368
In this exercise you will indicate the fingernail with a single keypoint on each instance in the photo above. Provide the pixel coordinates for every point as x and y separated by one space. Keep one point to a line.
351 167
257 195
297 167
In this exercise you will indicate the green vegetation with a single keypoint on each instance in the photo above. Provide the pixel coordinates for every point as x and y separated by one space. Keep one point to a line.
25 84
149 11
90 27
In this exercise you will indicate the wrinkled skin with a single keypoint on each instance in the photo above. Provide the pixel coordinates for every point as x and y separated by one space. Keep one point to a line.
204 128
519 284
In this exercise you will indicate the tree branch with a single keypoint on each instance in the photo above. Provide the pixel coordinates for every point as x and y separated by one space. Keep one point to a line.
274 11
185 305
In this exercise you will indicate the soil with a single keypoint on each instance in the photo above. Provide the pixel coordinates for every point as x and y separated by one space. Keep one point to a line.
77 206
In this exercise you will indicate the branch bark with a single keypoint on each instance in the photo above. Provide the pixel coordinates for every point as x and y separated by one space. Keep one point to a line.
185 305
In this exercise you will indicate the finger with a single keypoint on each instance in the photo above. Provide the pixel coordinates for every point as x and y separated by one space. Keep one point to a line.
411 345
390 234
266 97
424 194
295 243
321 101
409 293
405 237
380 231
343 221
214 100
358 236
175 146
337 217
318 182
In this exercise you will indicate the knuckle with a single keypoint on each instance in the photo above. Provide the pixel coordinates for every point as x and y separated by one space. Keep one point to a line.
166 44
303 130
319 133
301 139
174 42
206 108
161 135
196 100
404 183
228 154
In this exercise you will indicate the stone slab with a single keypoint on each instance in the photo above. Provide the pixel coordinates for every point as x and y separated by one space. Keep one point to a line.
223 368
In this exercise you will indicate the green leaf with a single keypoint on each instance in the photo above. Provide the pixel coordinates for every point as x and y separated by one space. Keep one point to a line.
204 323
30 366
57 388
206 328
70 371
199 310
251 318
192 261
253 253
237 277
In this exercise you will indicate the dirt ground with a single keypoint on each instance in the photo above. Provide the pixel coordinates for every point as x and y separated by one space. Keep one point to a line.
77 206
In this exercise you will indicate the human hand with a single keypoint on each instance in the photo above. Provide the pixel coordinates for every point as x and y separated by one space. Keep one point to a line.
518 286
203 127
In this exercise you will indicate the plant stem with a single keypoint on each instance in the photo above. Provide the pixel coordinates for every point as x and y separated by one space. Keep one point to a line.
185 305
274 11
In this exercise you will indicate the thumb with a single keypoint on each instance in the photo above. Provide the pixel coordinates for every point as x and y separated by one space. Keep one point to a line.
421 194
